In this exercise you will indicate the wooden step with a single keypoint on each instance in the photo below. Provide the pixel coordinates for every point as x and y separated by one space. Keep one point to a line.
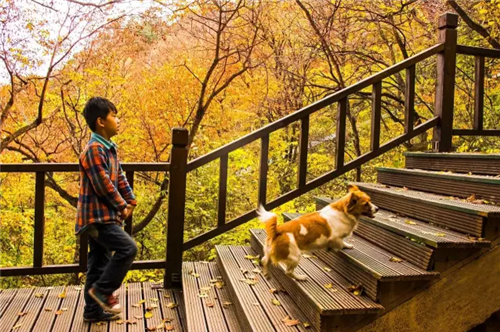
413 252
324 296
479 220
453 184
260 306
384 245
365 264
427 246
476 163
209 307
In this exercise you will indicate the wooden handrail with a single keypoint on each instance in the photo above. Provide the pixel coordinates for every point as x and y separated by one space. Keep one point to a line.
73 167
302 113
472 50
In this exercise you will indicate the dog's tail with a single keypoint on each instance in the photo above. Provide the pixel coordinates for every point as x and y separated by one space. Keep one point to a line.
271 220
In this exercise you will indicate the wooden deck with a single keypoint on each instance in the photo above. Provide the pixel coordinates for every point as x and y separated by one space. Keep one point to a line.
60 309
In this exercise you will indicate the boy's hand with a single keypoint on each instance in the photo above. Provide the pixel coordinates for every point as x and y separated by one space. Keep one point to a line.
127 212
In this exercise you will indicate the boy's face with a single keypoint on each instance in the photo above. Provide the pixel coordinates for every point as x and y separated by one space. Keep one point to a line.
110 124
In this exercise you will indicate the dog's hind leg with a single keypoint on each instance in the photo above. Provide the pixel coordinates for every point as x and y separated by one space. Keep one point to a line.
290 270
265 262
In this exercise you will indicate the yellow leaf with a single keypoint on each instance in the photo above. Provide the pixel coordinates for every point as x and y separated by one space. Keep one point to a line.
62 295
148 314
327 269
409 222
395 259
275 302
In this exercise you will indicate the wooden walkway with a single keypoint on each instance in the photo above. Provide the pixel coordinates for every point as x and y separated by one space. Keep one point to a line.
60 309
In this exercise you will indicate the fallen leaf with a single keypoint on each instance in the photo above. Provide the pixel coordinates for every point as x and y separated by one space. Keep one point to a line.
22 313
306 325
273 290
138 317
327 269
136 305
58 312
64 309
154 299
17 326
409 222
471 198
290 322
141 302
171 305
210 304
169 328
256 303
152 306
131 322
356 290
39 295
395 259
256 261
251 257
153 328
148 314
227 303
308 256
256 270
167 296
440 234
203 295
62 295
100 323
330 286
47 309
275 302
219 284
205 289
249 281
120 322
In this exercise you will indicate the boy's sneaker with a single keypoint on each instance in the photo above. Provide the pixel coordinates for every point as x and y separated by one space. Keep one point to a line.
108 303
100 316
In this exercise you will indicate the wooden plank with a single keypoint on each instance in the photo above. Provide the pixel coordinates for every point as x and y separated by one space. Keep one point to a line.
195 315
409 99
32 309
304 144
78 324
472 132
39 219
214 317
481 51
229 311
262 290
121 293
73 167
46 318
264 155
221 213
376 113
478 93
5 298
129 221
180 309
340 136
152 301
445 87
63 322
135 309
166 297
10 316
251 315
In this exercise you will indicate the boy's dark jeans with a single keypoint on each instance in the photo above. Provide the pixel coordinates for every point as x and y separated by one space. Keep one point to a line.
106 271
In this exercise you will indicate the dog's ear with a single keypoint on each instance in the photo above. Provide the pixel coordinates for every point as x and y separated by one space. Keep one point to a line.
353 200
351 188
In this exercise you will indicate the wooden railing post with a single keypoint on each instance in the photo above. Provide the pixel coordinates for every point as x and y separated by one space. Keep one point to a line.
445 89
39 219
176 207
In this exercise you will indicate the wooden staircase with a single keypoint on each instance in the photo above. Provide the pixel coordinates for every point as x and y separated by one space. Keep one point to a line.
427 223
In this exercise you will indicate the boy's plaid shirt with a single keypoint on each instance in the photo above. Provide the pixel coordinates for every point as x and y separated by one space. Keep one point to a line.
104 189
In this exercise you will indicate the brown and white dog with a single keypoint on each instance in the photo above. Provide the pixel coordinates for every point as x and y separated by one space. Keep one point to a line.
323 229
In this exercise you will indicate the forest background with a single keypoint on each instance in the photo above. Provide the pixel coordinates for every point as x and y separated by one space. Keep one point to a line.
221 69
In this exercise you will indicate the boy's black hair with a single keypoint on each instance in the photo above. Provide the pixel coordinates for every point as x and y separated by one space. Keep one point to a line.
97 107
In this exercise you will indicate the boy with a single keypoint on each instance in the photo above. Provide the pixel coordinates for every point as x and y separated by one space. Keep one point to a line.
105 200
